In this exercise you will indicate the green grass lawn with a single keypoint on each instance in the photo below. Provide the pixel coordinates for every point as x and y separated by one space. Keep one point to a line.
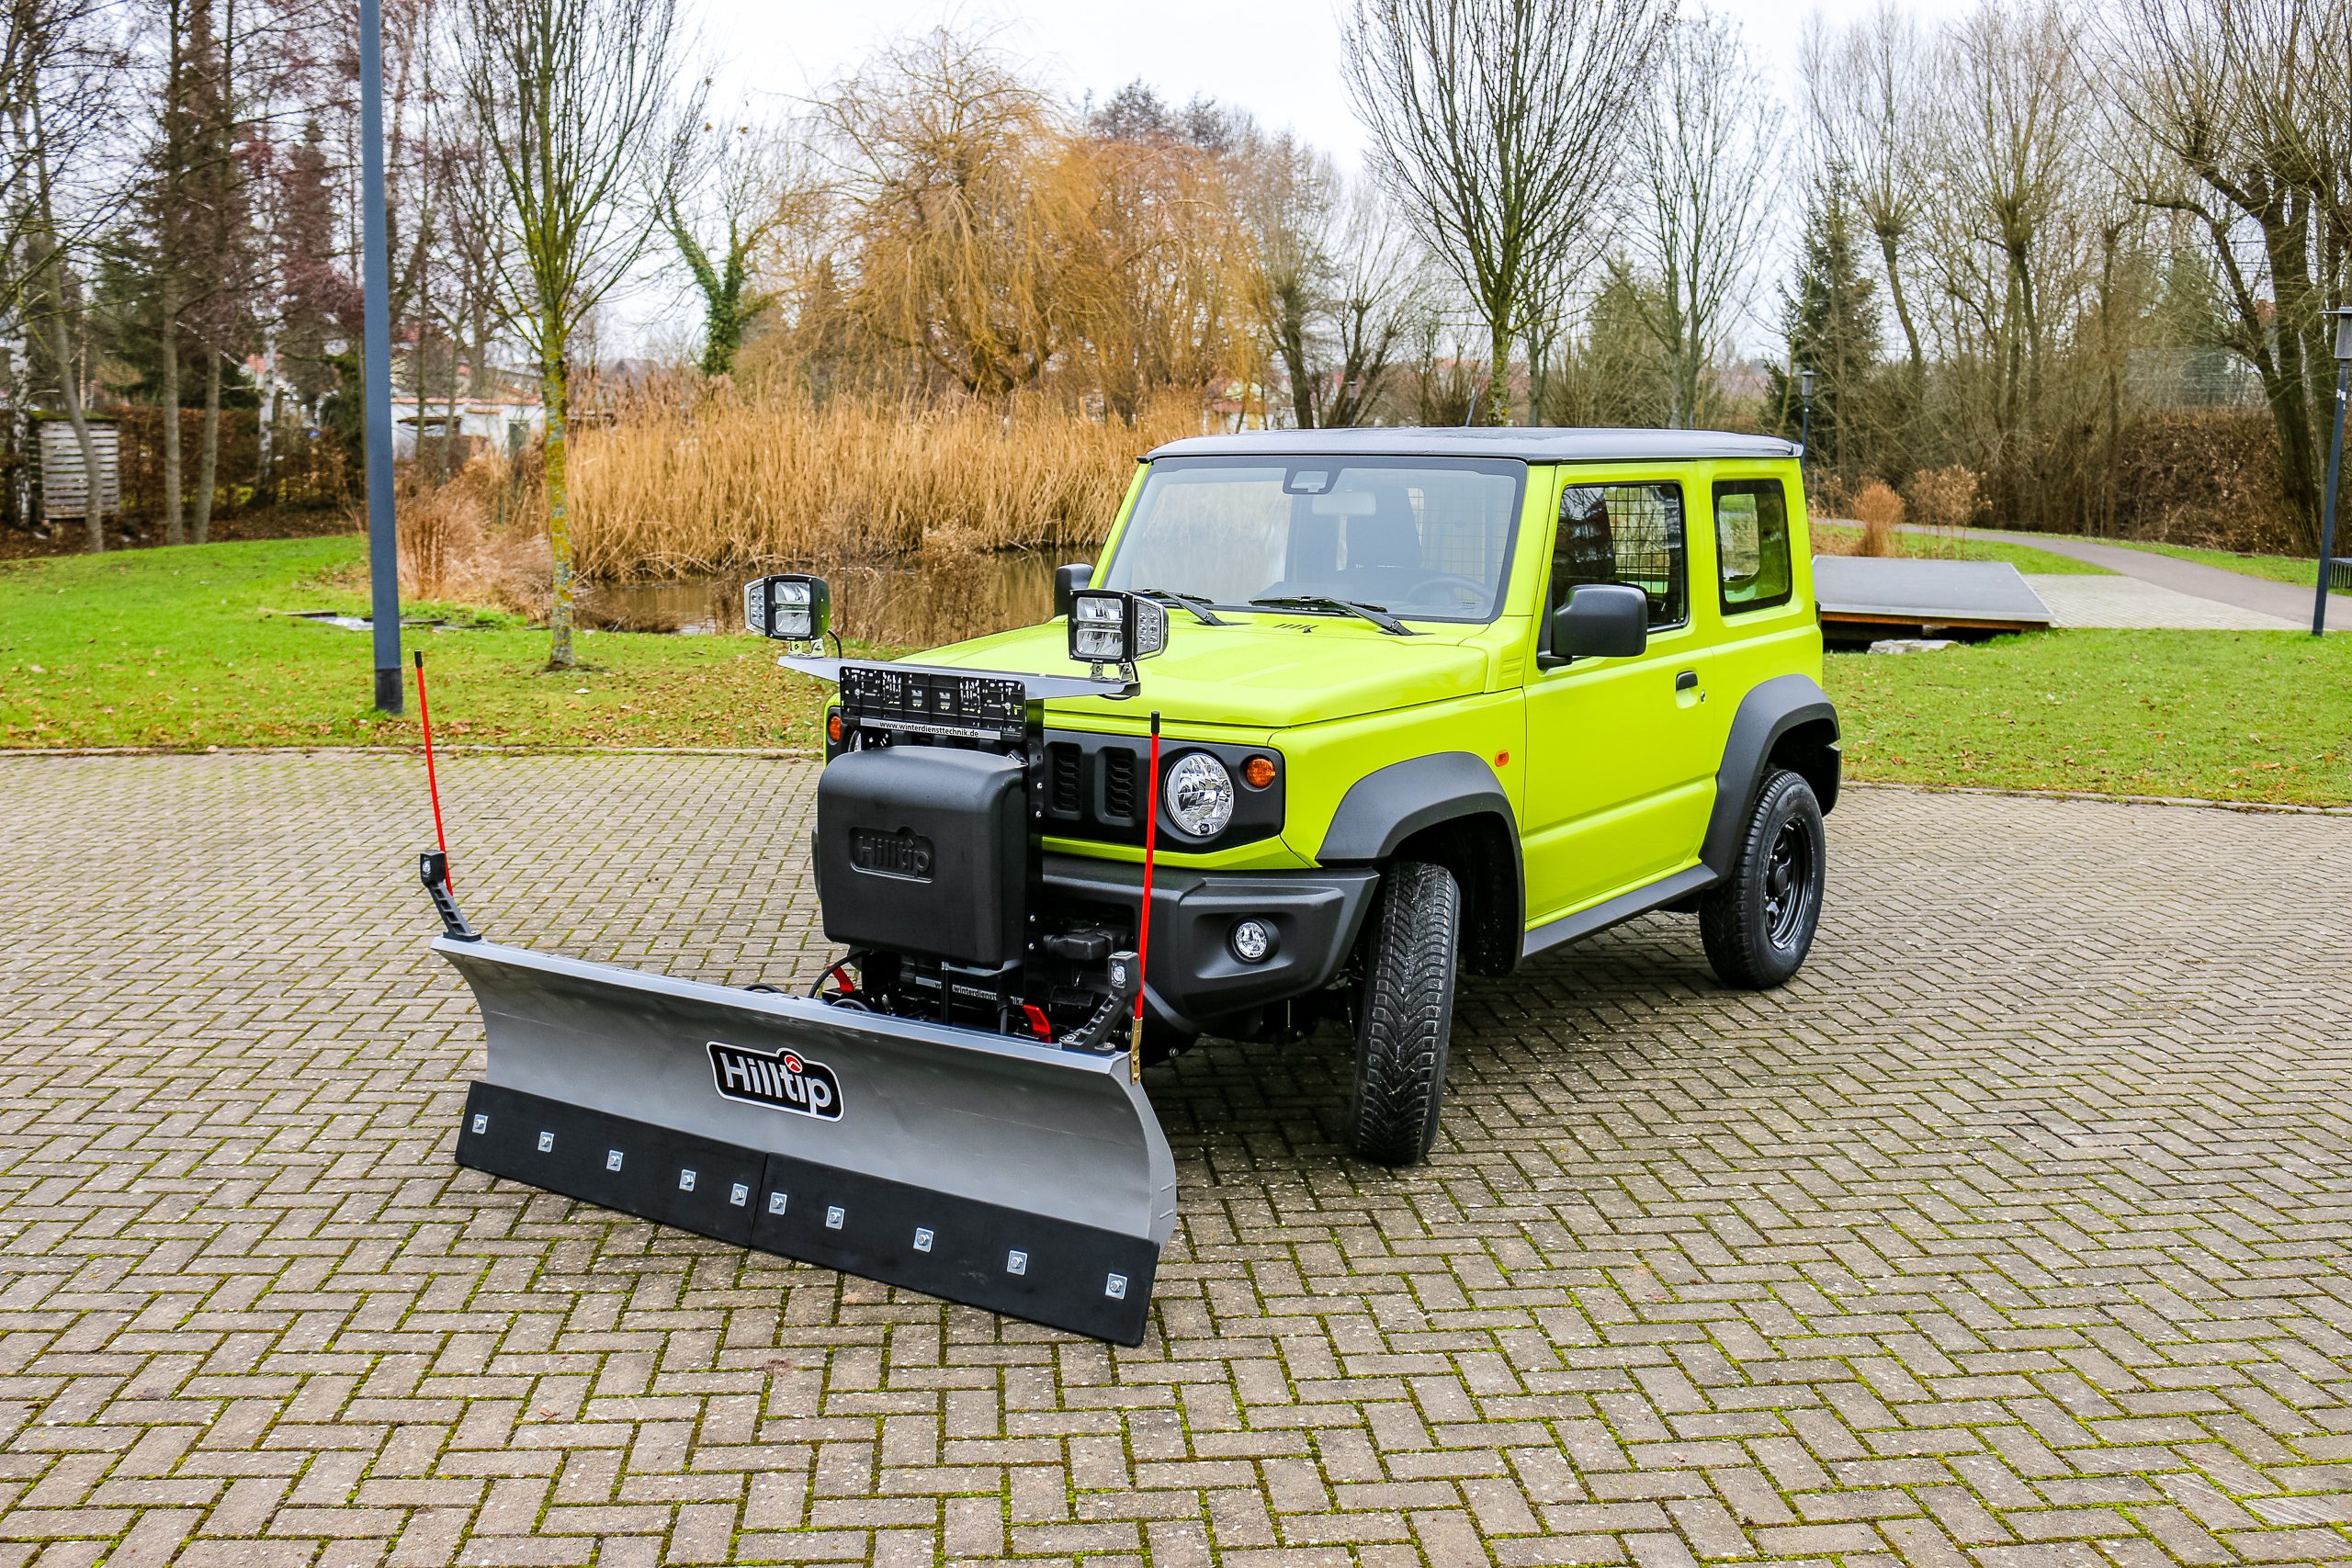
1931 547
2250 717
171 648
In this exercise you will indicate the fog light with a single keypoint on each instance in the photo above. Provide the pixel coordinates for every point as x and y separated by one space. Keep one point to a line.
1252 941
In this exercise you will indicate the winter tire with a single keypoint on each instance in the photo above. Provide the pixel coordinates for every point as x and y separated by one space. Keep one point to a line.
1757 924
1407 1014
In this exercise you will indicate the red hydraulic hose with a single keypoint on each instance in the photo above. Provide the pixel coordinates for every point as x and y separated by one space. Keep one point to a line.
1143 934
432 784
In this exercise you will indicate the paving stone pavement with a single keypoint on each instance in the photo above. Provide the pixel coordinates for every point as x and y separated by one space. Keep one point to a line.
2011 1233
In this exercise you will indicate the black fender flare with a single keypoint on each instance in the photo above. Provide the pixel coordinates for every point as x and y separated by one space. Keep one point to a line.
1770 713
1388 806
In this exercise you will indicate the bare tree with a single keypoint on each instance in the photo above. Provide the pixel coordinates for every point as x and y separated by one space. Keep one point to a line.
1866 95
1495 126
1703 156
1287 195
571 97
2249 99
1381 289
749 181
2013 176
57 71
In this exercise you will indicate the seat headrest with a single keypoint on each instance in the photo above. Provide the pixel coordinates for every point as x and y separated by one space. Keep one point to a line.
1387 537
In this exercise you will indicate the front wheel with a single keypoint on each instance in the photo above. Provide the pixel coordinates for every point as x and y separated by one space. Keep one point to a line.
1757 924
1407 1016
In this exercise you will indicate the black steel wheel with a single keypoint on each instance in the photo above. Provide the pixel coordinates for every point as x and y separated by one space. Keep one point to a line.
1406 1017
1757 925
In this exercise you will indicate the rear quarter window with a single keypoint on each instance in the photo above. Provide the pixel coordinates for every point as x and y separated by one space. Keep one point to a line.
1752 547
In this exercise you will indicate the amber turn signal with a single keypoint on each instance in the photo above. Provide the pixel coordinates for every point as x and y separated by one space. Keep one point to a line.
1258 771
833 728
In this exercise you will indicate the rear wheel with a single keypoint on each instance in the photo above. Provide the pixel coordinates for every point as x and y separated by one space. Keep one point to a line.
1407 1014
1757 924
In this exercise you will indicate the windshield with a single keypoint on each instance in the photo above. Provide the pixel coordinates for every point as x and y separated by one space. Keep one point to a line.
1427 539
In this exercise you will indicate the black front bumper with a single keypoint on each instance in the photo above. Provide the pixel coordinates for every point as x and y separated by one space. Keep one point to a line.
1193 981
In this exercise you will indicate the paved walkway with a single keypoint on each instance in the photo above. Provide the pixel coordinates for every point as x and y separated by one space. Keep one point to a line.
2285 601
2077 600
2011 1235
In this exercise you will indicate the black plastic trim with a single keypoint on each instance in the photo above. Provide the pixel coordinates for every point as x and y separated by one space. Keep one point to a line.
1769 711
1193 976
1389 805
1666 890
1067 1271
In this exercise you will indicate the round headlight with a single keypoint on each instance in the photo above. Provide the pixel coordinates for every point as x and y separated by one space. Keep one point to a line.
1200 794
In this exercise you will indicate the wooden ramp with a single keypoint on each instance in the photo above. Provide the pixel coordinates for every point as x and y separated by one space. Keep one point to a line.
1865 593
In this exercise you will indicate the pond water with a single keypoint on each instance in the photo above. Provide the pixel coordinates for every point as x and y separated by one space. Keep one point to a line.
910 602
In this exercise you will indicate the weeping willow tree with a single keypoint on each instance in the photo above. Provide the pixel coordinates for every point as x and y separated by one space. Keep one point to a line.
960 225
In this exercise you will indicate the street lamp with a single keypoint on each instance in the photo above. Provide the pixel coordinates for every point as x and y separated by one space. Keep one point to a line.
1804 438
376 363
2334 466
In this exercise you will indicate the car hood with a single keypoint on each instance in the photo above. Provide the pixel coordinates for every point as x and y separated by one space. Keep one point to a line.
1265 672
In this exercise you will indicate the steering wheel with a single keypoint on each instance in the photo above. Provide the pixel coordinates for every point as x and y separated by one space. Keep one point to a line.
1425 592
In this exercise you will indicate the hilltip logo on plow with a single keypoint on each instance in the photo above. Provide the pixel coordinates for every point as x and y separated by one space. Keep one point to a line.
785 1081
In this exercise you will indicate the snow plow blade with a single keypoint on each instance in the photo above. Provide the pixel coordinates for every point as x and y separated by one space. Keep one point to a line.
1019 1177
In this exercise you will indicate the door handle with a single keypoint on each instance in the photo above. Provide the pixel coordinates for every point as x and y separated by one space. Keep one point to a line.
1686 680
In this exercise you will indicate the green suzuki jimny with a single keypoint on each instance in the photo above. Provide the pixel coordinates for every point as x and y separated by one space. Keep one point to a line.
1423 699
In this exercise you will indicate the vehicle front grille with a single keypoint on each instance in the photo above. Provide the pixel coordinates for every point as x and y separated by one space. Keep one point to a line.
1118 783
1067 776
1094 788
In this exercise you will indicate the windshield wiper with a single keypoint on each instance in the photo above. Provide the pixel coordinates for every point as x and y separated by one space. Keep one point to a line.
1371 613
1198 606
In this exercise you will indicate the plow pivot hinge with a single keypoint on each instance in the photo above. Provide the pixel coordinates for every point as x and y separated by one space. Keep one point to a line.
433 869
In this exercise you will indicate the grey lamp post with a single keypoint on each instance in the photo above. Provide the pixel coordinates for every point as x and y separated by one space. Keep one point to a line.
1804 437
375 364
2334 469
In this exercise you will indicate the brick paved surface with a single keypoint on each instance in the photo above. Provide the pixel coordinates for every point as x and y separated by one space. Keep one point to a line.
2012 1235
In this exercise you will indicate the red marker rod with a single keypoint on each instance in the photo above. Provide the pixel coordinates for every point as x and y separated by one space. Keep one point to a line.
1143 933
432 784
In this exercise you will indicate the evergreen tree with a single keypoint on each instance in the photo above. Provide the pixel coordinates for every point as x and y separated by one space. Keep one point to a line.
1831 324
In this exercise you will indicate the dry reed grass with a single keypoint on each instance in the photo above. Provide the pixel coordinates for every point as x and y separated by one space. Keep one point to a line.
1878 510
450 552
1945 500
738 481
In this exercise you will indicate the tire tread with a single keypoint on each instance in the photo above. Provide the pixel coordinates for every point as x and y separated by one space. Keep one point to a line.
1407 1015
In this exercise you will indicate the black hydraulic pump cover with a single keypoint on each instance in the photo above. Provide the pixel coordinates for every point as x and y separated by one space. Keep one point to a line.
923 849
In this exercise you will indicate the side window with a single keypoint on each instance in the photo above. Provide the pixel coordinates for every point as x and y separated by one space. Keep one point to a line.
1752 544
1626 533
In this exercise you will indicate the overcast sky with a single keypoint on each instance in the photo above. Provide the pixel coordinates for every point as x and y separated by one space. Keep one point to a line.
1277 59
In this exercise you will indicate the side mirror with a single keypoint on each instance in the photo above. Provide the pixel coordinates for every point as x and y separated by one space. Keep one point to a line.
1601 620
1067 581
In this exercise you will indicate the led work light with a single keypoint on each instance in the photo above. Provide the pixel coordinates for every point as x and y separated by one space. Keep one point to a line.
791 608
1110 627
